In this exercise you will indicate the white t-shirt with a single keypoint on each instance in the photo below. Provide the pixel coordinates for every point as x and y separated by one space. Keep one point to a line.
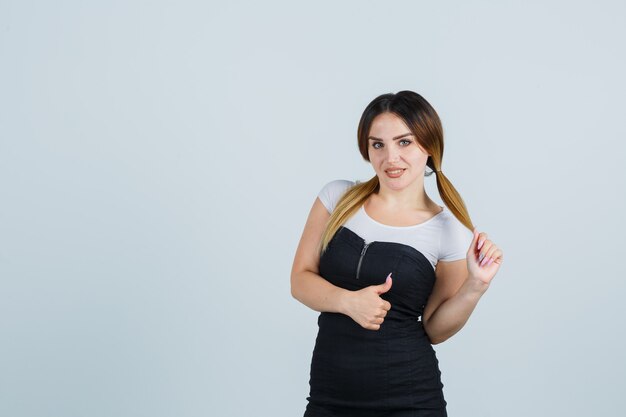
442 237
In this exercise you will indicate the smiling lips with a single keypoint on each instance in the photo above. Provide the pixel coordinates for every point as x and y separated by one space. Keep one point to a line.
395 172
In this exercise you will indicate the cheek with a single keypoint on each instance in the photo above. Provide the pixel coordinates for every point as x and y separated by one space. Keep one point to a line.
416 155
373 156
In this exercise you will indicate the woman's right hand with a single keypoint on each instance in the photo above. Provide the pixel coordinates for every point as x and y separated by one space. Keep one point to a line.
367 308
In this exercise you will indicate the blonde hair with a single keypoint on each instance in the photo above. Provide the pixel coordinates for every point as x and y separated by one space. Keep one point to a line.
424 123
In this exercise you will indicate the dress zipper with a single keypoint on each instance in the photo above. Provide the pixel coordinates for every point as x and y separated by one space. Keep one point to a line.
358 268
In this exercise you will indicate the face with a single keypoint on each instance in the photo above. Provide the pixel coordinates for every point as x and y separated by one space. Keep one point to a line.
391 145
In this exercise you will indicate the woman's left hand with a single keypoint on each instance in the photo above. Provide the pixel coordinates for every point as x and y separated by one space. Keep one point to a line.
483 258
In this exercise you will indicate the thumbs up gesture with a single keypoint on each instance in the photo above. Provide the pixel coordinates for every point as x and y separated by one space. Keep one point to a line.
367 308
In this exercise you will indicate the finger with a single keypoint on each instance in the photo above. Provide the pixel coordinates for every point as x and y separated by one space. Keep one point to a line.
486 246
486 257
483 252
496 257
490 255
386 286
474 241
481 240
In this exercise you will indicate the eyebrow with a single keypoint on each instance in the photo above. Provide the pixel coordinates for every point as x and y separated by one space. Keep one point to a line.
397 137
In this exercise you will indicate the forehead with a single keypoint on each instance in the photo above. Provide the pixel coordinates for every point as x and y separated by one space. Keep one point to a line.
388 125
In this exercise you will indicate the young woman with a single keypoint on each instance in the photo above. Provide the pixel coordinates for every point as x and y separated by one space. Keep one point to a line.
389 270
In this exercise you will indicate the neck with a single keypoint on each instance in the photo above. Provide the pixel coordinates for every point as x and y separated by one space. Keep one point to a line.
411 197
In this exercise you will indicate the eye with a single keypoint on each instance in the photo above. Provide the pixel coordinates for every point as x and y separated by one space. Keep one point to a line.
408 142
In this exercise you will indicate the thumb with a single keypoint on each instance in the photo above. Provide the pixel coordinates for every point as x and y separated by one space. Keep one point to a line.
473 245
383 288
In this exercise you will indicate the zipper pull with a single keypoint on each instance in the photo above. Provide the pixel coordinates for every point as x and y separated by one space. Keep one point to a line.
358 268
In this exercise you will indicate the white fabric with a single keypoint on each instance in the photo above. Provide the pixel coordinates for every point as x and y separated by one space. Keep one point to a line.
442 237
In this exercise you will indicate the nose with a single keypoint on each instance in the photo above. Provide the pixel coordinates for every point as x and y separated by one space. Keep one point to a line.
393 155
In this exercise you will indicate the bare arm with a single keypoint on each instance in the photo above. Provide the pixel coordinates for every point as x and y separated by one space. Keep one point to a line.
318 294
307 286
454 312
458 288
364 306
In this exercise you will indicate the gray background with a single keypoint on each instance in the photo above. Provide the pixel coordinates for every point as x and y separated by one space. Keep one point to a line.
158 161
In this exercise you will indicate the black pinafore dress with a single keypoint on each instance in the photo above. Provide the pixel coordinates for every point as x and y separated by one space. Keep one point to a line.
392 371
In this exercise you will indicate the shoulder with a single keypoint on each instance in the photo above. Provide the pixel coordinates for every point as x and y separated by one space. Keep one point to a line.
332 191
455 238
338 185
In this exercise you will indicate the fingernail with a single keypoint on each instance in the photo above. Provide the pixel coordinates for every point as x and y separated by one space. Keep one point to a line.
480 244
490 261
483 262
480 258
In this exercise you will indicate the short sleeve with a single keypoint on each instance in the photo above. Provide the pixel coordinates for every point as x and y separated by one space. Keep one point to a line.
455 240
332 192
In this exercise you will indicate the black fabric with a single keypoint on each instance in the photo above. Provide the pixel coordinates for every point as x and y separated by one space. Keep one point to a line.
392 371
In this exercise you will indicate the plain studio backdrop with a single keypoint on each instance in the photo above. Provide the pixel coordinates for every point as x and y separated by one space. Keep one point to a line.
158 161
